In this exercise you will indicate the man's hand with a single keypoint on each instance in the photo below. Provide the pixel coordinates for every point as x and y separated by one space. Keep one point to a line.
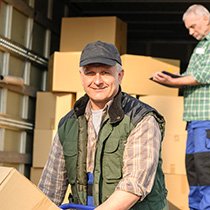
174 82
163 78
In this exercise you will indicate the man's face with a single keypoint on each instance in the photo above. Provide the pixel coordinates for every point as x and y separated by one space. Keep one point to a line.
198 26
101 83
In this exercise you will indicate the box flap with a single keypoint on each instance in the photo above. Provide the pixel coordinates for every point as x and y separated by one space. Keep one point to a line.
19 193
4 173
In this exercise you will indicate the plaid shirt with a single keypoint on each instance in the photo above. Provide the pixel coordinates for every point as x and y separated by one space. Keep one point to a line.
197 98
140 161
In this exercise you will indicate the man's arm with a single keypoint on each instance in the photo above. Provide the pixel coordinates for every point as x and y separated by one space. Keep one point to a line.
140 161
53 181
175 82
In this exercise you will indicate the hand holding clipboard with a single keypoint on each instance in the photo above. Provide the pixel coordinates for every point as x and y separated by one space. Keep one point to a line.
169 74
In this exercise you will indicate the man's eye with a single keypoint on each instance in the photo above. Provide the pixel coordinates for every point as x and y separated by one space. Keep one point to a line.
105 72
89 73
192 26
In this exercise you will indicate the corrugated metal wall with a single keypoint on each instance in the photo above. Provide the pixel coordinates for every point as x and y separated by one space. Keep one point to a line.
29 33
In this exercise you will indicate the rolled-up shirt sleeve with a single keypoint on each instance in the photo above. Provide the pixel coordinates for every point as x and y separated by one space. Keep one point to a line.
141 157
53 181
199 64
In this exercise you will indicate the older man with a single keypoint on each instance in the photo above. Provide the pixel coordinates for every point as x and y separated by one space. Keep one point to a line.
196 86
109 145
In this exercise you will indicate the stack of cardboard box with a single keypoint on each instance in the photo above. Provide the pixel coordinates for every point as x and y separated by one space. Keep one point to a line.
77 32
50 107
64 78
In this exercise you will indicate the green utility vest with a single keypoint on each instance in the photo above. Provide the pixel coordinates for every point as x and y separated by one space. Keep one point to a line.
123 115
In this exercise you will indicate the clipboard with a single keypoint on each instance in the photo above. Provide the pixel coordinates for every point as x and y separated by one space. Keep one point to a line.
171 74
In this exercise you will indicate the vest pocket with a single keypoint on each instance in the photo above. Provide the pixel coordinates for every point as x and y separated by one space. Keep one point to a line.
112 161
70 154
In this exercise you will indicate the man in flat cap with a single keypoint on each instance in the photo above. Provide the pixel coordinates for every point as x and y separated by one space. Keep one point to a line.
108 147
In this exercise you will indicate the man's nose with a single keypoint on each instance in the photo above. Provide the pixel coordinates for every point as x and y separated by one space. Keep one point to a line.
191 31
98 79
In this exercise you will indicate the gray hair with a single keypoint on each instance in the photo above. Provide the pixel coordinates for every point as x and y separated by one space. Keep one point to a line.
117 66
196 9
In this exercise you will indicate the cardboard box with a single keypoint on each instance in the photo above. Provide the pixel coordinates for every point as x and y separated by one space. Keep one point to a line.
171 107
50 108
41 147
80 94
178 191
35 175
173 153
63 72
138 70
76 32
17 192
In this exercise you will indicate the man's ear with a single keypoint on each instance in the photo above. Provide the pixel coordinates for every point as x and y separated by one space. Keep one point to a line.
121 75
206 19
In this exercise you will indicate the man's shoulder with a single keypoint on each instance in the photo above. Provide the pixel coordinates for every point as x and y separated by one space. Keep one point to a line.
65 118
132 102
134 106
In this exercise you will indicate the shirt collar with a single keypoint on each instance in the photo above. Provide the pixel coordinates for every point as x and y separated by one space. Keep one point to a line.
207 37
88 108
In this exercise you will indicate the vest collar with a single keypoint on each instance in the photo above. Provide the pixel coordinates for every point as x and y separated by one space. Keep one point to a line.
115 111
